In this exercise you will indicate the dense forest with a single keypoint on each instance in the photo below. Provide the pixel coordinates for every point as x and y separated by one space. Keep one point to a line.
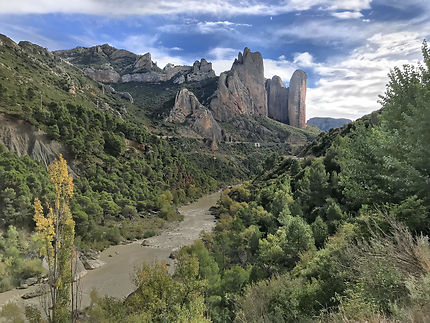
339 237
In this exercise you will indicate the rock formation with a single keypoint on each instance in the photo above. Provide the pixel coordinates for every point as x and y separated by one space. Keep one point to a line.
297 100
110 65
288 105
277 99
188 109
143 63
242 89
201 71
108 75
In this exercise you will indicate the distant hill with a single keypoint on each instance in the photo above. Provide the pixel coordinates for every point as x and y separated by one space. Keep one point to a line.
328 123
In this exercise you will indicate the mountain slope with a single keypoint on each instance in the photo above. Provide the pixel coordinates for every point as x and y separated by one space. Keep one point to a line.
327 123
121 169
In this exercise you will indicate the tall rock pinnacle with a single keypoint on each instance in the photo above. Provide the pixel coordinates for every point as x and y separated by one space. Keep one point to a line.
242 89
297 100
277 99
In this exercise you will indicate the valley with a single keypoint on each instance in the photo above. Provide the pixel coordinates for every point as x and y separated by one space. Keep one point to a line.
114 278
136 192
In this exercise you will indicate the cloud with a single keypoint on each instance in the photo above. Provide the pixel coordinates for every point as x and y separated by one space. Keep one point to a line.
303 59
222 58
347 14
202 27
349 86
207 27
283 68
34 34
139 7
323 30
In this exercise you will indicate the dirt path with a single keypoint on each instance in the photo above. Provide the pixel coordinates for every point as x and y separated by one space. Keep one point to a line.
114 278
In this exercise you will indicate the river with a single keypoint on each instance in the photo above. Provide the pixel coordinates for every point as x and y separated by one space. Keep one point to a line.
114 278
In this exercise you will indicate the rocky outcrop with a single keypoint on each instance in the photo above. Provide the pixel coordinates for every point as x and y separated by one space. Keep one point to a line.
242 89
107 64
143 63
277 99
34 49
189 110
201 70
108 75
126 95
7 42
24 139
297 100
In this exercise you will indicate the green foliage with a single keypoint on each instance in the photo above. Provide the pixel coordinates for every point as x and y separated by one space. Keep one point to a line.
159 297
320 231
32 314
11 313
15 264
121 168
281 250
21 180
369 266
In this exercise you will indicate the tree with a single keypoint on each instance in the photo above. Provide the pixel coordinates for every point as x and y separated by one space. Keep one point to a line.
56 230
281 250
312 189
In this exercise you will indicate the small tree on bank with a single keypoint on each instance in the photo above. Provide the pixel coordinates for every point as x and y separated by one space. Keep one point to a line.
57 230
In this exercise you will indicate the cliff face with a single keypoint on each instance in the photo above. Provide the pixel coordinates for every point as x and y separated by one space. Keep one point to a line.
187 109
107 64
277 99
242 89
288 105
24 139
297 100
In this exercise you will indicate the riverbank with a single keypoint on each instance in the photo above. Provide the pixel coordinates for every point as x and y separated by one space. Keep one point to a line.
114 278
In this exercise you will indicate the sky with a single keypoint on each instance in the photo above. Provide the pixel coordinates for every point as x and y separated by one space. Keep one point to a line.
346 47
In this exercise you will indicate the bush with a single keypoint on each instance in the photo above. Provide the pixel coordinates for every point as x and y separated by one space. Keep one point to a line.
31 268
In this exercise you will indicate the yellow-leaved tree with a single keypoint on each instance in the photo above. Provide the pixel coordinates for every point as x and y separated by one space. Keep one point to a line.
56 230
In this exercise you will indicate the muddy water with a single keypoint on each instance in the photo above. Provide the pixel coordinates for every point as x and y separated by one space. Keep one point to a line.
114 278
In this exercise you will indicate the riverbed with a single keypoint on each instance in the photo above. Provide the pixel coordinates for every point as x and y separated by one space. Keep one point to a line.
115 277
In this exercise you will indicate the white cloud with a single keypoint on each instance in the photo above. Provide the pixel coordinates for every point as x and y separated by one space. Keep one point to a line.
283 68
347 14
323 31
18 33
350 86
207 27
222 58
139 7
303 59
202 27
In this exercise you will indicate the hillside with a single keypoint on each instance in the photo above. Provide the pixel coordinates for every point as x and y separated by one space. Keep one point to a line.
128 162
327 123
122 170
340 235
